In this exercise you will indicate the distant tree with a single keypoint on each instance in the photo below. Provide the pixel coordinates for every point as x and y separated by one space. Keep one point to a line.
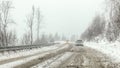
73 38
95 29
12 38
38 17
63 38
56 37
30 23
44 39
51 38
26 38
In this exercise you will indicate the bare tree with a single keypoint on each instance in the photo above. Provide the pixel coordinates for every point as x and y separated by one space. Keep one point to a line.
63 38
5 19
44 39
56 37
38 17
51 38
73 38
1 32
30 22
12 38
26 38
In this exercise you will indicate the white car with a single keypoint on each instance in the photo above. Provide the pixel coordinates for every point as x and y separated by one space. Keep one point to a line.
79 43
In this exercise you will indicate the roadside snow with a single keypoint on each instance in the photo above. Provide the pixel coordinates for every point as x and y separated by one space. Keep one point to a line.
112 50
53 49
9 55
22 61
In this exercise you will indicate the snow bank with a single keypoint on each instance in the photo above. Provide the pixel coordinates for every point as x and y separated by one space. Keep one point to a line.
9 55
43 50
112 50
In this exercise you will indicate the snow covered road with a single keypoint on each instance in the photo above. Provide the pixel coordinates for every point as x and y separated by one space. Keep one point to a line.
79 57
14 60
62 56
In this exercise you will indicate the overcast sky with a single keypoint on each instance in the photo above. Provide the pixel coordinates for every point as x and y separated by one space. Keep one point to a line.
63 16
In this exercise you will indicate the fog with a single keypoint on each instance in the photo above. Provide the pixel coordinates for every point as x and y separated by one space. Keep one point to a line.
62 16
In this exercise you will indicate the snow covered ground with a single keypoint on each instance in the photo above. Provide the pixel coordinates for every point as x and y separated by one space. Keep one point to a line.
9 55
55 61
44 51
112 50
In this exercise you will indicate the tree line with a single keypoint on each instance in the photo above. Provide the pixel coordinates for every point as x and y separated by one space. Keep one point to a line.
6 37
33 22
105 26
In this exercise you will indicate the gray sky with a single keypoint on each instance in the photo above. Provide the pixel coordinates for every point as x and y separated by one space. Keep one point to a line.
63 16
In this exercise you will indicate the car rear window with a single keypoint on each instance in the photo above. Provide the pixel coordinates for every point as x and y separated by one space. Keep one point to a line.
79 41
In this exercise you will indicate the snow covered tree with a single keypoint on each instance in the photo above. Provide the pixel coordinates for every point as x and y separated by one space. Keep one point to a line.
95 29
113 19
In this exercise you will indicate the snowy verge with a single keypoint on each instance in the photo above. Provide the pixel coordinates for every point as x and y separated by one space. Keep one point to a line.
28 59
12 54
112 50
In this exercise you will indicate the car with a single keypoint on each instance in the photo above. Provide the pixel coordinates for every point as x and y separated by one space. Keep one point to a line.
79 43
